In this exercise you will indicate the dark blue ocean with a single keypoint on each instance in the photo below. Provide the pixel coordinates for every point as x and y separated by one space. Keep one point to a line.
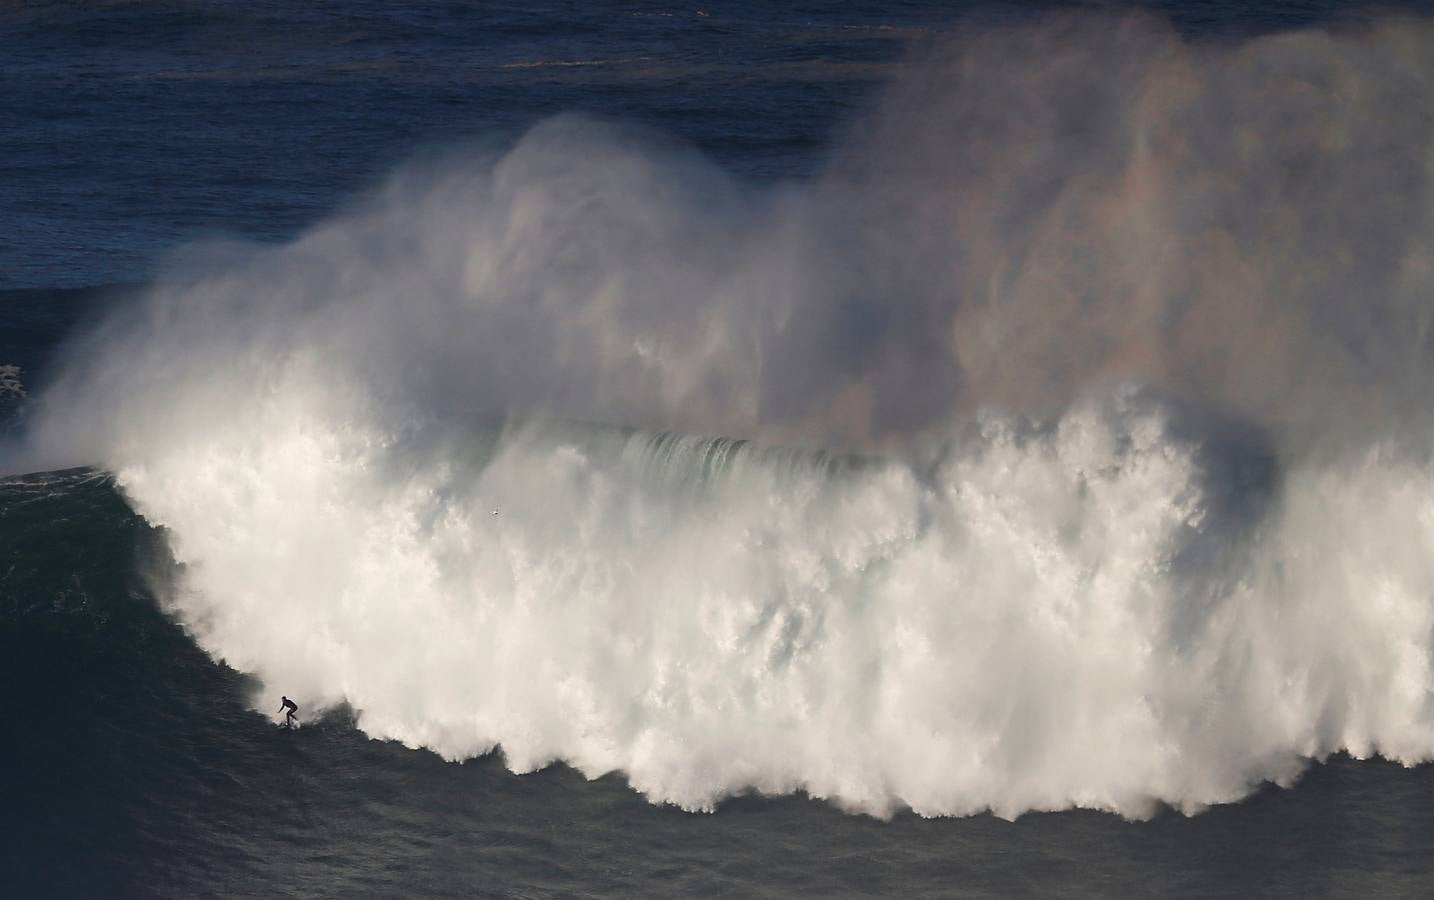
900 449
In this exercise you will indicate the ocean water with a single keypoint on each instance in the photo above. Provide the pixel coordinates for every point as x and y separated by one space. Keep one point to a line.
857 449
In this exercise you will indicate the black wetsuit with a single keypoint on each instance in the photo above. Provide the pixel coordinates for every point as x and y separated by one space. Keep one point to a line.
292 708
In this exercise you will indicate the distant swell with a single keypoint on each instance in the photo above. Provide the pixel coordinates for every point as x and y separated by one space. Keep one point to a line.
1065 444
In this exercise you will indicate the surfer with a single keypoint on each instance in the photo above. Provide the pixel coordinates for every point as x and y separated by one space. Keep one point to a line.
292 708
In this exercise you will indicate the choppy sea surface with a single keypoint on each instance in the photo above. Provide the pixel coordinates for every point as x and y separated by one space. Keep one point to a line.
852 449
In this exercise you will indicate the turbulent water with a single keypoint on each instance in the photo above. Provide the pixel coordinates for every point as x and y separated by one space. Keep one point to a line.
878 413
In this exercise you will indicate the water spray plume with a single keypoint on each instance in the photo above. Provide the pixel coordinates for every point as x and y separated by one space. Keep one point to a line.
1086 398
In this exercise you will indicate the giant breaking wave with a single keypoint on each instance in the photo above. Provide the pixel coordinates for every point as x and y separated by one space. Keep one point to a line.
1117 347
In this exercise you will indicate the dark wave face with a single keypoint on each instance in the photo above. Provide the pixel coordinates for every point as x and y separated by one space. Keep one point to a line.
777 417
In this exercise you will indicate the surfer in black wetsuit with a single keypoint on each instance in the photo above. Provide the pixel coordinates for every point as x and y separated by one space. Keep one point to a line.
292 708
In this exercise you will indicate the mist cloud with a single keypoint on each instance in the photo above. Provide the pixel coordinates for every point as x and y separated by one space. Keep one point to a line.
1027 213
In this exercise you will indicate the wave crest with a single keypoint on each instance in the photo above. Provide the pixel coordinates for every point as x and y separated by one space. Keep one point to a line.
1033 586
